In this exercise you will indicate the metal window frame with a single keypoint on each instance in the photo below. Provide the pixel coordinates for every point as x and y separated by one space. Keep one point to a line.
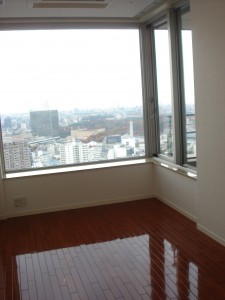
171 16
148 110
2 161
163 19
177 107
181 10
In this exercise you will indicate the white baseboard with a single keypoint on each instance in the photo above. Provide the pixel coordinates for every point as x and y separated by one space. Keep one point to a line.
177 208
77 205
211 234
193 218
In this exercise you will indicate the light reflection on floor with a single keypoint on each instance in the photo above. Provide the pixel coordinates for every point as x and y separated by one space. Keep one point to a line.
131 268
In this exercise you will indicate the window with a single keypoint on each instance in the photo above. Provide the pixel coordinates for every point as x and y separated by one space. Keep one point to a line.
76 96
70 97
173 90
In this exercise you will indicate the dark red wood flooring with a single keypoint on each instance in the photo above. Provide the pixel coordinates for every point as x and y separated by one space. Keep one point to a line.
136 250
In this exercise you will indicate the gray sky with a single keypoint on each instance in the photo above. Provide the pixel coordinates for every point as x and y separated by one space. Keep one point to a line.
163 66
67 69
64 69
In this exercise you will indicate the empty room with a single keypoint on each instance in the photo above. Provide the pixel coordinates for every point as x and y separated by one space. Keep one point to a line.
112 182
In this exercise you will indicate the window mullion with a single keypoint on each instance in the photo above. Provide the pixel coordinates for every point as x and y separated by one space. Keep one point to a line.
187 105
2 161
178 136
146 88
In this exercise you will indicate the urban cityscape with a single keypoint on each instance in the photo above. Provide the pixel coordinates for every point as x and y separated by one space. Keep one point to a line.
50 138
47 138
166 132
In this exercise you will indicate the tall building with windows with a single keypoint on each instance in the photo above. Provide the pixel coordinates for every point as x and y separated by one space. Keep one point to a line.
17 155
44 123
72 152
68 152
7 123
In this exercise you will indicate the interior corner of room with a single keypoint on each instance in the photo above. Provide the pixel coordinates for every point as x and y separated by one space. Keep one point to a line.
201 200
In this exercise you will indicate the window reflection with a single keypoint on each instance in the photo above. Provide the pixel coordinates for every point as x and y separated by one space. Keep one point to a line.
182 275
123 268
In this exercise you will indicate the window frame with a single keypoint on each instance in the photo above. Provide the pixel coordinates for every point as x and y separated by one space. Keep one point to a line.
63 24
177 82
179 12
163 19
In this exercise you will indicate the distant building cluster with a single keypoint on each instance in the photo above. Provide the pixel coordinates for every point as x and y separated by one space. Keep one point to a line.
167 138
38 144
39 140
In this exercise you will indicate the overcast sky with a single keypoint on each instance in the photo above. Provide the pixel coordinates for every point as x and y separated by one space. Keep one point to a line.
163 66
66 69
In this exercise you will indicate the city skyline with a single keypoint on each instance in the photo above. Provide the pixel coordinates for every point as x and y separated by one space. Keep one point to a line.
40 140
82 138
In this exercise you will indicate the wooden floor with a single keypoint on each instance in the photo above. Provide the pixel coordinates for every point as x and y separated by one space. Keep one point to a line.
136 250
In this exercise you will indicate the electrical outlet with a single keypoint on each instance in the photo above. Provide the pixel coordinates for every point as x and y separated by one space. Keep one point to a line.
20 201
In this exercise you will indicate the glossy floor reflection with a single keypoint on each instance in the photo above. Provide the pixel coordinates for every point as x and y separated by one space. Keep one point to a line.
136 250
118 269
108 270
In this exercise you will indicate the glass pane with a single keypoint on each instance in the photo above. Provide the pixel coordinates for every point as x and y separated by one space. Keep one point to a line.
188 85
163 76
70 97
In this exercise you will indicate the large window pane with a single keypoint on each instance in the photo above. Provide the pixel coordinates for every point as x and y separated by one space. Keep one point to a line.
70 97
188 89
163 90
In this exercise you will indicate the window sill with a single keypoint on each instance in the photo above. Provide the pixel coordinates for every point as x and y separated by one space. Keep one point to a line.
175 168
158 161
79 168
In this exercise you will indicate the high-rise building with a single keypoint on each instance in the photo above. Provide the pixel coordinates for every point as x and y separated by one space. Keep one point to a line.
7 123
94 151
72 152
44 123
17 155
68 152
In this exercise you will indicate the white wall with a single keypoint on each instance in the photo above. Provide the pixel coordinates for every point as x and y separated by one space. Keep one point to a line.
79 189
176 190
208 25
101 186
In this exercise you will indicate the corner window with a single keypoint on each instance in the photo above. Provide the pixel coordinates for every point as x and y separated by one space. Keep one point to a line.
173 91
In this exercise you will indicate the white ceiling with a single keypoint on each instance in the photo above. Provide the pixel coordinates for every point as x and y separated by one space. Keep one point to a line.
114 9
